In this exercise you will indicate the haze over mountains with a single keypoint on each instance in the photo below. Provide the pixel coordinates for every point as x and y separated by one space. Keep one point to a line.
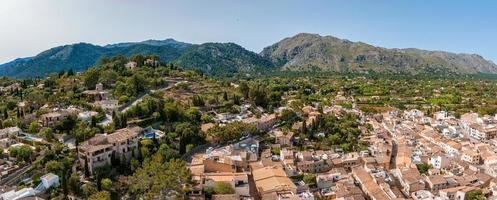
302 52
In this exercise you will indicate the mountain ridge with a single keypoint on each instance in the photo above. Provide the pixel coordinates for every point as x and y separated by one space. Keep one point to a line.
306 51
301 52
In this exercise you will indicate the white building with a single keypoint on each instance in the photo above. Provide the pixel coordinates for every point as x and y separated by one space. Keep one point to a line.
440 161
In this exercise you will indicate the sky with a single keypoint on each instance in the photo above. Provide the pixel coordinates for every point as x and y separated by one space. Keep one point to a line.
27 27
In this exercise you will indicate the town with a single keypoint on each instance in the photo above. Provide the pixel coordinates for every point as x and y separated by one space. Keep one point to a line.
157 134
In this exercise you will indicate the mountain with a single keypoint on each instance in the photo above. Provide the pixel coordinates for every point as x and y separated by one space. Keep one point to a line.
314 52
222 59
302 52
210 58
81 56
166 42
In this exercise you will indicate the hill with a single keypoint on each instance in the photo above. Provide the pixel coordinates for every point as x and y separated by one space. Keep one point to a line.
210 58
81 56
314 52
222 59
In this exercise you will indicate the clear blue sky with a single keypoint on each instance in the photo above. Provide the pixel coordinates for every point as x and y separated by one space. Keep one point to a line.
29 26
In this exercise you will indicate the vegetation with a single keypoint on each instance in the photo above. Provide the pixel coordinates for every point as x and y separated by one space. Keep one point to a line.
158 178
21 153
231 131
223 188
475 195
423 168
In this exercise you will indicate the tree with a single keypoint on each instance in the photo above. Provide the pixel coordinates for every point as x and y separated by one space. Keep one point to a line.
70 72
198 101
136 84
91 77
102 195
223 188
64 182
88 190
87 169
475 195
244 89
188 133
231 131
139 59
21 153
5 113
67 124
225 96
423 168
309 179
55 167
108 77
74 183
304 127
157 178
106 184
34 127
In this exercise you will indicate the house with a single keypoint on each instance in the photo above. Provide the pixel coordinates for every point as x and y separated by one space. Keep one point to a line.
368 184
410 180
326 180
108 105
440 161
288 161
234 157
272 180
471 157
98 94
282 138
151 62
238 181
10 131
51 119
97 151
309 163
11 88
450 146
422 195
266 122
455 193
23 108
87 115
438 182
5 143
297 126
130 65
481 132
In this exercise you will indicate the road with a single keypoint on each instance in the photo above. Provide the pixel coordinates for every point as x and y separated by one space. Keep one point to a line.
140 99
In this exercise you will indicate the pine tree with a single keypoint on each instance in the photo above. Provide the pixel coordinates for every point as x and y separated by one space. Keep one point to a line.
5 113
70 72
93 121
304 128
87 169
64 182
225 96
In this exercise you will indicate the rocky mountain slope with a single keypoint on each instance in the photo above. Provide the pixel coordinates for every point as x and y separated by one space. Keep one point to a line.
315 52
302 52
